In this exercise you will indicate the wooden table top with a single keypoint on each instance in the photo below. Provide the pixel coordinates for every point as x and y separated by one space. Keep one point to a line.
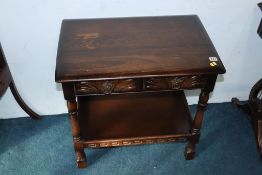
113 48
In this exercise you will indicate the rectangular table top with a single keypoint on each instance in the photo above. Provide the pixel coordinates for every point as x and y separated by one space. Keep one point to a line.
113 48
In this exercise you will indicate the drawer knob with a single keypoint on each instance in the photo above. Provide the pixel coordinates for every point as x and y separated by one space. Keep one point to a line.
176 82
107 87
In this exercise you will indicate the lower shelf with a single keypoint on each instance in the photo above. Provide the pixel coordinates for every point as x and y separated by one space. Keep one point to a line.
131 119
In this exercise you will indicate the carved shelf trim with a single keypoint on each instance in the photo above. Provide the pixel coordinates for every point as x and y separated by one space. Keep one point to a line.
134 141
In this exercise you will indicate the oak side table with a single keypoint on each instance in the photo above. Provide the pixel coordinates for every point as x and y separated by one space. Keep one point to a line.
124 80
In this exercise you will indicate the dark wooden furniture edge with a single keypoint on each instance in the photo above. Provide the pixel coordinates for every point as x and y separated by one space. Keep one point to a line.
253 107
139 85
259 30
8 81
193 138
135 141
78 84
61 78
57 80
174 104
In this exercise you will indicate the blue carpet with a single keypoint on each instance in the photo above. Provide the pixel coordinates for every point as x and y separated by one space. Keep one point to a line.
227 146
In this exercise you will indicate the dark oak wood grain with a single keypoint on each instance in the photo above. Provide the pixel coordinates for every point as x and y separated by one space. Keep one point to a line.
134 115
124 78
96 87
134 47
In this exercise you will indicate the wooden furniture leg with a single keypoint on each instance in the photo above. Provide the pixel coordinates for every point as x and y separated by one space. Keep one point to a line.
6 80
253 107
21 102
78 145
243 106
202 103
126 94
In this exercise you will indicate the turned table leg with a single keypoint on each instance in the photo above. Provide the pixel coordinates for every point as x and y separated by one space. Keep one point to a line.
195 132
78 145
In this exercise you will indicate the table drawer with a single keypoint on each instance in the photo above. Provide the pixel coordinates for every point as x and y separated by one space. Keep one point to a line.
137 85
106 86
173 83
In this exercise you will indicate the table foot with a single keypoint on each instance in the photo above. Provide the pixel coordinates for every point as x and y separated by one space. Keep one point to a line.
243 106
189 151
81 159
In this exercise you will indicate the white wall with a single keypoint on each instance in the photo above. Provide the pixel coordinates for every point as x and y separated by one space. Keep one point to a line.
29 33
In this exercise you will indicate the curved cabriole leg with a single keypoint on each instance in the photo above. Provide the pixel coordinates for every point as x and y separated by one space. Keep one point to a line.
21 102
78 145
259 137
243 106
195 132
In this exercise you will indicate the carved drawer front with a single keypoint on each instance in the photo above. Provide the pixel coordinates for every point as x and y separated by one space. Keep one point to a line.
169 83
106 86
